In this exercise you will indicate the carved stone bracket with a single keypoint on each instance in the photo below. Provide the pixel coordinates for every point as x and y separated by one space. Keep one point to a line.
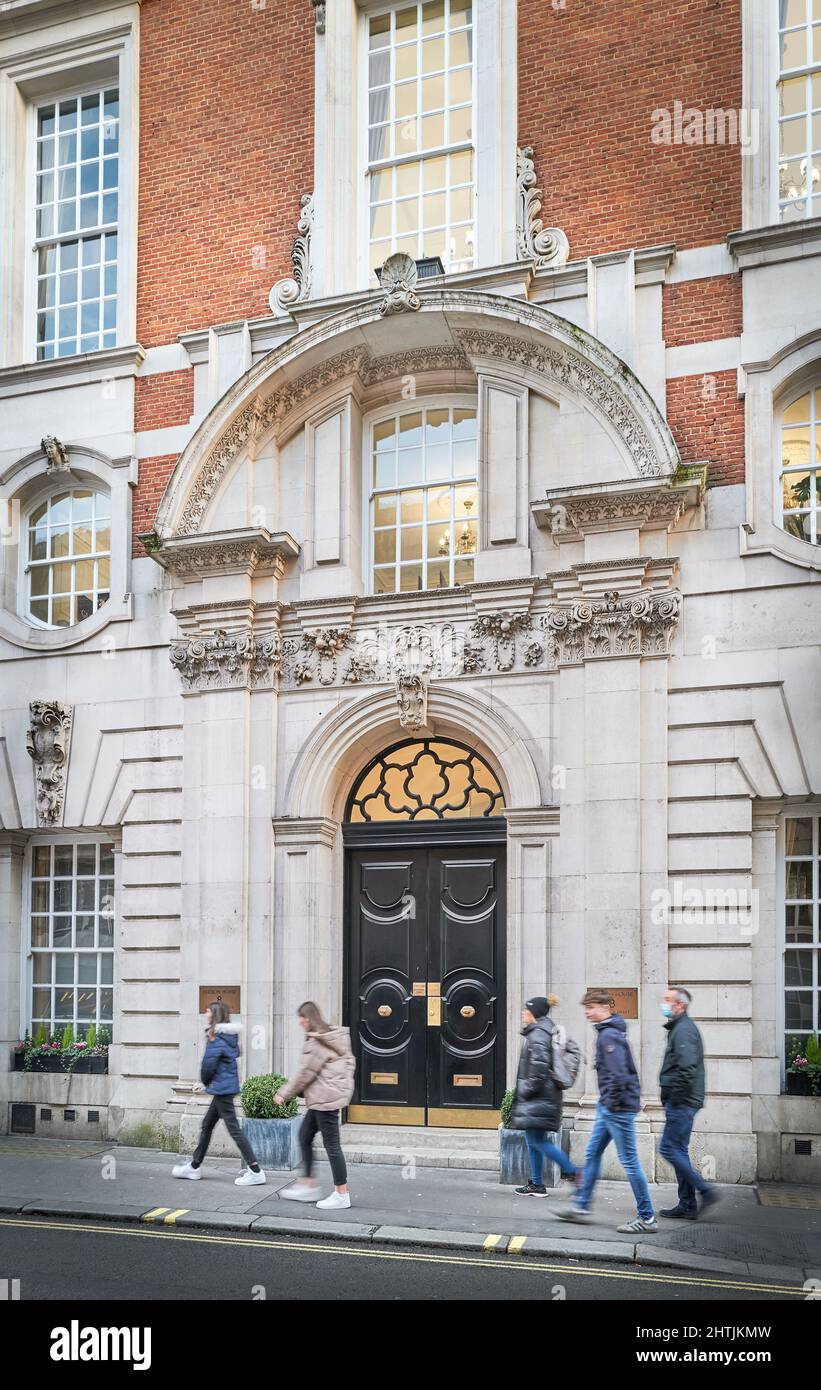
244 551
573 512
47 743
398 280
226 660
296 287
319 15
547 246
412 698
56 453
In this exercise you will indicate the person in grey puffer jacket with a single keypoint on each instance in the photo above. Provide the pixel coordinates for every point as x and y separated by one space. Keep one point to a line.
537 1108
681 1083
326 1080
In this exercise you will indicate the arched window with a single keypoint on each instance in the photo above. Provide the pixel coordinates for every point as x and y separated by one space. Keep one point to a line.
68 557
423 780
801 467
424 499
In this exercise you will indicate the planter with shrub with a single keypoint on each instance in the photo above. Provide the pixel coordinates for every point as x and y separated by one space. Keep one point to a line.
514 1163
804 1067
272 1130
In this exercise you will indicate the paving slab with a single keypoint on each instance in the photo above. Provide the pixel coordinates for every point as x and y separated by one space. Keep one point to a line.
228 1221
110 1212
419 1235
699 1264
284 1226
580 1249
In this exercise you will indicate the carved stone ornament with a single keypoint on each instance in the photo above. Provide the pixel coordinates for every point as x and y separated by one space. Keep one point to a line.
547 246
398 280
319 15
56 453
226 660
651 506
245 551
412 698
47 744
316 656
296 287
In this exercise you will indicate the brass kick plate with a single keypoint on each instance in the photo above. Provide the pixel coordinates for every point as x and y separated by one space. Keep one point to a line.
464 1119
385 1115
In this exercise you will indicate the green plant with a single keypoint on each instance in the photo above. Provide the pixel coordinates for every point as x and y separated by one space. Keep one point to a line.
812 1052
258 1099
91 1036
507 1108
40 1037
104 1037
68 1038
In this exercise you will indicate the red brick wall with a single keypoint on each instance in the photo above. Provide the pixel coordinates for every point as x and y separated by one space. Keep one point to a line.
226 149
707 420
154 474
163 400
699 311
590 76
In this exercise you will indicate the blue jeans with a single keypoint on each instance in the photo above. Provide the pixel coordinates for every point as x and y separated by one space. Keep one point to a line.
620 1126
673 1146
539 1147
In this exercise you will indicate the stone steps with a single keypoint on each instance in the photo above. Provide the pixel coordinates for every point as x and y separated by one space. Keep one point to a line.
429 1148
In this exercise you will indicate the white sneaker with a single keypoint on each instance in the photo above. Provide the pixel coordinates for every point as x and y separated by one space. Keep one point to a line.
249 1178
184 1170
300 1192
336 1199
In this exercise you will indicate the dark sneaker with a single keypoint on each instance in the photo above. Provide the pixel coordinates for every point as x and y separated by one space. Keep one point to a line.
531 1189
575 1214
680 1213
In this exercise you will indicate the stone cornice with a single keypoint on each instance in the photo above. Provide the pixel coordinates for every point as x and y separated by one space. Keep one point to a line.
784 241
246 550
569 513
84 368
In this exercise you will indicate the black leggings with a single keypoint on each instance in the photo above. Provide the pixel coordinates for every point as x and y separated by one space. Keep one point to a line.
222 1108
327 1122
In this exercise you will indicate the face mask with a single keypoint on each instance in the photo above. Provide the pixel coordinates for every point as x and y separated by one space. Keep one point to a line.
667 1010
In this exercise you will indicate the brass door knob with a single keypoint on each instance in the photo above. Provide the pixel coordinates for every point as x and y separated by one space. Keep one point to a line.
467 1011
384 1011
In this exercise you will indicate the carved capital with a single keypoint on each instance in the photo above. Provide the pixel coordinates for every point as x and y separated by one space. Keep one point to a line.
47 743
226 660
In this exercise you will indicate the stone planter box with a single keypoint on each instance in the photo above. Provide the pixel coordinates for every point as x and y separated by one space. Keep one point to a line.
93 1066
797 1085
275 1142
514 1164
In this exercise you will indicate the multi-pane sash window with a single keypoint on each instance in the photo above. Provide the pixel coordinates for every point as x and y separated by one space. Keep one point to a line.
801 467
420 133
802 942
424 499
799 109
78 143
72 936
69 557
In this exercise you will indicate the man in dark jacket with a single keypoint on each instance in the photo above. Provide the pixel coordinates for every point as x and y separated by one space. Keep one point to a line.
619 1103
681 1082
537 1108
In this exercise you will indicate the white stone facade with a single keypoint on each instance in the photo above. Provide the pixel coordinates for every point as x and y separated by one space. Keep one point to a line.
638 660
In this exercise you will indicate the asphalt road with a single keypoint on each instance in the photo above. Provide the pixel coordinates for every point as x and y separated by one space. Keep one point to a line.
57 1259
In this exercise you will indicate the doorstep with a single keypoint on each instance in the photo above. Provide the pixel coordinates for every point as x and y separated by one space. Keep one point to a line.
426 1147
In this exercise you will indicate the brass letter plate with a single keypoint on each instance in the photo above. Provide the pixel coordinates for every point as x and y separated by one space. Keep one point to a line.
384 1078
467 1080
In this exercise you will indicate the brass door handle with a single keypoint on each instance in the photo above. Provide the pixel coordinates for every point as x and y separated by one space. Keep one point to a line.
467 1011
434 1010
384 1011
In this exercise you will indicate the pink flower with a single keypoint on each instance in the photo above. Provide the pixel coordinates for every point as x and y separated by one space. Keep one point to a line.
799 1062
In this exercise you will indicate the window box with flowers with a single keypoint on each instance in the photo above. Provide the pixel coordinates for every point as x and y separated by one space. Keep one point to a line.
48 1052
804 1067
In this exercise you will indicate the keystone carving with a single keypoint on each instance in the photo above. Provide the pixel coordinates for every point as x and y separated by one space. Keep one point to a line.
412 698
47 744
398 280
56 453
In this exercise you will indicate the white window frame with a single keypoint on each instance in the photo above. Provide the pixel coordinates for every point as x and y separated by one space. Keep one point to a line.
446 400
813 390
340 114
34 69
805 70
365 270
810 809
54 488
57 837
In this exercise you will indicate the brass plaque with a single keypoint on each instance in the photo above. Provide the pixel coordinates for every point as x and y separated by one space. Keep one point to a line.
220 994
434 988
434 1011
384 1078
625 1000
467 1080
418 988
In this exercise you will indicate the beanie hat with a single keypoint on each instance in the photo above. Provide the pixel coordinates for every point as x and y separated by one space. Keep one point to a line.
538 1006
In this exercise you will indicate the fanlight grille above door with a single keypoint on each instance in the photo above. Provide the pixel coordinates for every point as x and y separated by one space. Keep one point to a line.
426 780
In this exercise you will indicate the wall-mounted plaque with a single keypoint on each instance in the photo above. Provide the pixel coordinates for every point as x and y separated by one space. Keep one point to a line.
625 1000
220 994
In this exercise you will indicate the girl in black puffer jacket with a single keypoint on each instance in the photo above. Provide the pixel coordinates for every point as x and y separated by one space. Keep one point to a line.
537 1108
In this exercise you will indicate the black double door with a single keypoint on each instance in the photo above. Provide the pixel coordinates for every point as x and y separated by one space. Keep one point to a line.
425 982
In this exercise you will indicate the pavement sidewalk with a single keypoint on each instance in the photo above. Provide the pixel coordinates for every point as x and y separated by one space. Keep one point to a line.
454 1208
